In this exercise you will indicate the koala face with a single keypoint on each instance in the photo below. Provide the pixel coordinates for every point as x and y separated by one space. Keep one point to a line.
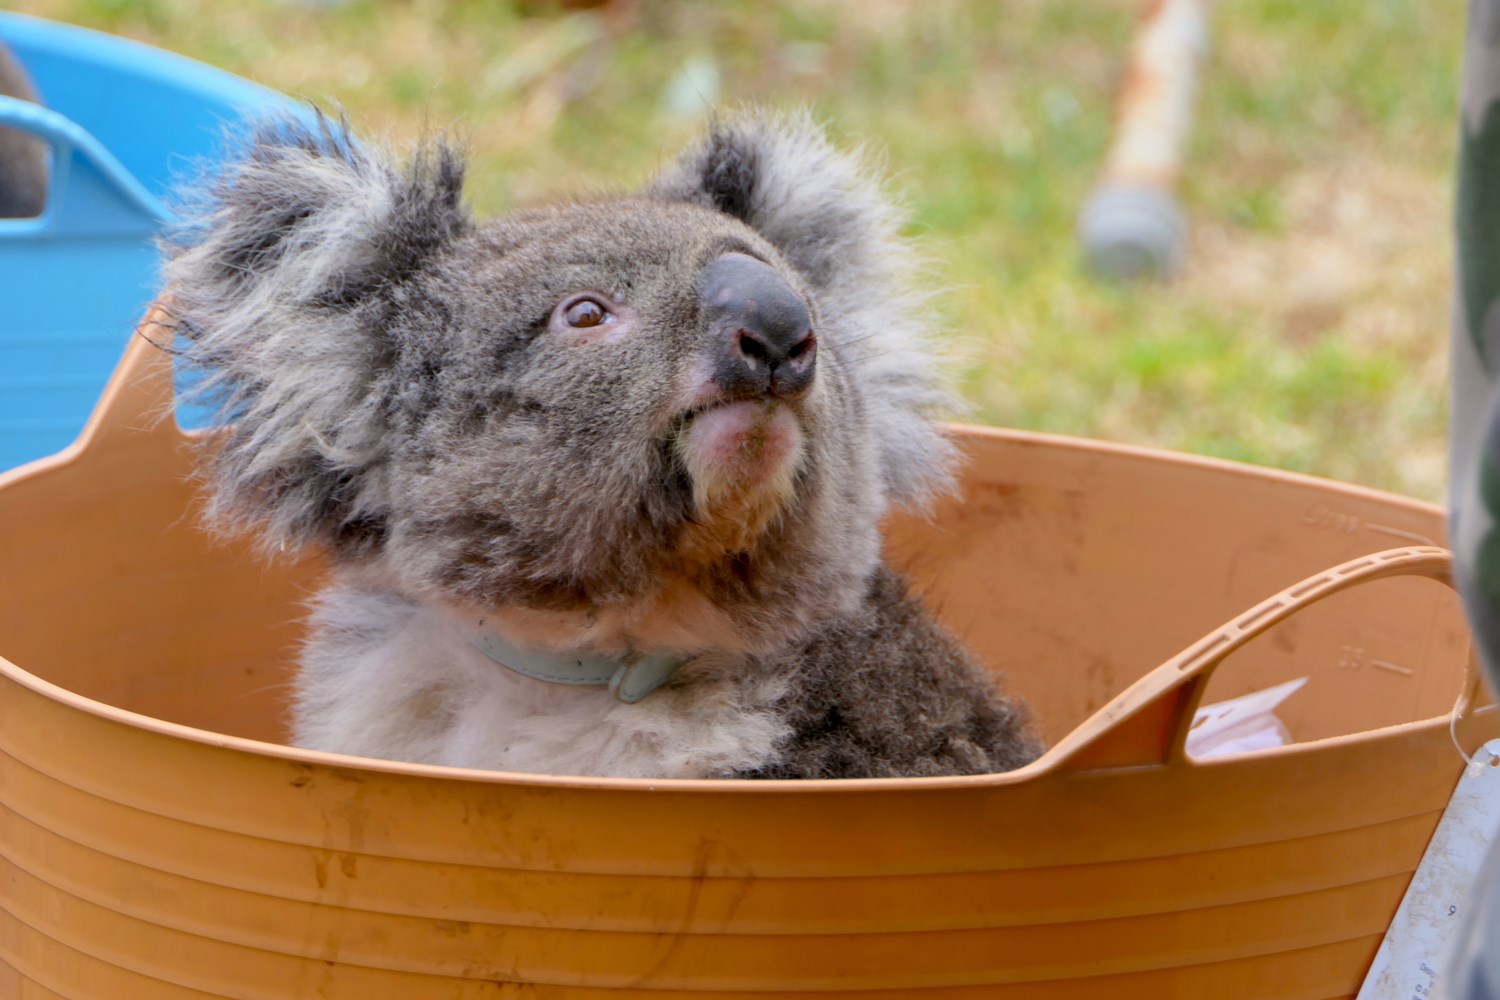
670 418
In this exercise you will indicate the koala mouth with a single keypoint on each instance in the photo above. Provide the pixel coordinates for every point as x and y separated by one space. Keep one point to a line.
738 451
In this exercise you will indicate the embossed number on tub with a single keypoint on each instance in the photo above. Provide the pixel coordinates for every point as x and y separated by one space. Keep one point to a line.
1322 516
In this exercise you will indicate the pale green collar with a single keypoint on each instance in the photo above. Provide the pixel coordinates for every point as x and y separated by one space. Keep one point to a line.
630 679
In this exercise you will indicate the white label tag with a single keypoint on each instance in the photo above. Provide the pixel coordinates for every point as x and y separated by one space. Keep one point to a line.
1248 722
1417 944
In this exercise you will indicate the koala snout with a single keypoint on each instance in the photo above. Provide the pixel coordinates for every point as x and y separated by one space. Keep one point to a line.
759 329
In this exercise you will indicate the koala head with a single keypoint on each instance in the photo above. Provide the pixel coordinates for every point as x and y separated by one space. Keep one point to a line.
671 418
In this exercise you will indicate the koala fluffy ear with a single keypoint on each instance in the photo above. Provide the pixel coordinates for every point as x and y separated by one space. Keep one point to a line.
826 213
279 276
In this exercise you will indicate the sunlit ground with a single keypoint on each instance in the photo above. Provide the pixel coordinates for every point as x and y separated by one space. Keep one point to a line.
1307 329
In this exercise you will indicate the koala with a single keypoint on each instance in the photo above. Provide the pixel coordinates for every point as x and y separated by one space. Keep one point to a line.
600 482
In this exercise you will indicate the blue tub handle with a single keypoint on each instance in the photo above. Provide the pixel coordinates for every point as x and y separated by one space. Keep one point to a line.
89 193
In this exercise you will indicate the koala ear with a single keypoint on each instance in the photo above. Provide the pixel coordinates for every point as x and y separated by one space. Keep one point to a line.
279 276
828 216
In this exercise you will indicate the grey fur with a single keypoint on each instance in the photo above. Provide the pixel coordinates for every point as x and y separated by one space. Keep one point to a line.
23 157
887 692
399 399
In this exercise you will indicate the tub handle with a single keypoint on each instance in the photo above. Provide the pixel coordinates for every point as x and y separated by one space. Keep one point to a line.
89 192
1148 723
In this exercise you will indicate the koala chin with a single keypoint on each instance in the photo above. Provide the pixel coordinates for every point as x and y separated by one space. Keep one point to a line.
600 482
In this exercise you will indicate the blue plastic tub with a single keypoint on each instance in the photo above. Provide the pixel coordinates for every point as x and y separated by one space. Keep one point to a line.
123 120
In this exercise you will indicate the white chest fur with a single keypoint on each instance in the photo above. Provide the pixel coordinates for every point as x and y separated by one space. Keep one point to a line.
385 677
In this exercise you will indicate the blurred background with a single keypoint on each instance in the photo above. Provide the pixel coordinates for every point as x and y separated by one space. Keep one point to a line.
1306 329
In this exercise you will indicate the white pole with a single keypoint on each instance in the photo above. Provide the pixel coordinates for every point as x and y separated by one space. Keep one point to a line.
1131 226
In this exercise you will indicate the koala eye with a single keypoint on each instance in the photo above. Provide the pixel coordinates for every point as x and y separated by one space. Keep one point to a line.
586 312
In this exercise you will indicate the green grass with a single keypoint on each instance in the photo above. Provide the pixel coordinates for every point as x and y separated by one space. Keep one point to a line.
1307 329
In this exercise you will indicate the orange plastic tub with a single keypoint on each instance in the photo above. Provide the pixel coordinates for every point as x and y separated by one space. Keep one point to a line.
157 841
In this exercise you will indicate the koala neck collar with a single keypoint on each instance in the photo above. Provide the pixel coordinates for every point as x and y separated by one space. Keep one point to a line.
629 678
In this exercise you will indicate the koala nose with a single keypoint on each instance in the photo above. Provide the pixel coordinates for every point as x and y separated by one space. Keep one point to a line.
761 332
